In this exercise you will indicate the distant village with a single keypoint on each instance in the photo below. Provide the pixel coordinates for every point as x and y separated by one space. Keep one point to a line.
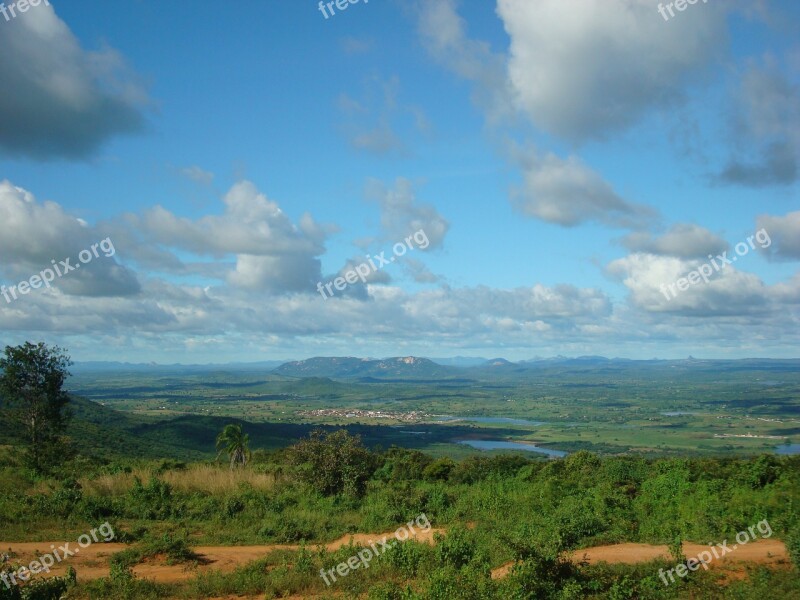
350 413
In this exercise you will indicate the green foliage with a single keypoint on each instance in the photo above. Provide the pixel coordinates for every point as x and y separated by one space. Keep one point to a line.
469 583
151 501
235 443
175 548
31 384
676 550
528 511
408 558
761 472
439 469
456 549
52 588
401 464
793 545
334 463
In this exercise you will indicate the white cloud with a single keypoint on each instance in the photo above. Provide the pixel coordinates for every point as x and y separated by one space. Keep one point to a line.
567 192
34 234
443 33
784 235
402 215
58 100
683 240
766 129
272 253
598 66
198 175
728 291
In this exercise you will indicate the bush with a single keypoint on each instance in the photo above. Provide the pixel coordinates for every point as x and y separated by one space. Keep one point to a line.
793 546
439 470
334 463
151 501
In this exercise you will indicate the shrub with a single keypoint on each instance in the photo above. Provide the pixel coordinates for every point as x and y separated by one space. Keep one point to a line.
334 463
793 546
439 470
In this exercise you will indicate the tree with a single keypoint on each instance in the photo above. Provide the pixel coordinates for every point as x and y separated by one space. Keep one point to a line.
31 383
335 462
235 443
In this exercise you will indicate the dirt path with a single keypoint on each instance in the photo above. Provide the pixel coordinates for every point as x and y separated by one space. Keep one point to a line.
92 562
766 552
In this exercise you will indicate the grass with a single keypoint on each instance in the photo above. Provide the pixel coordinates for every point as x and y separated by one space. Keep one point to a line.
196 478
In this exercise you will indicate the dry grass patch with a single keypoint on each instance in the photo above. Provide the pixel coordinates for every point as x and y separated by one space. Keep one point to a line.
217 480
211 479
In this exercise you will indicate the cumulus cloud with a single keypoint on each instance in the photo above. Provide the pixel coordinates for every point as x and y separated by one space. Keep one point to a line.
33 234
785 235
601 65
169 315
272 253
567 192
60 101
683 240
766 129
728 291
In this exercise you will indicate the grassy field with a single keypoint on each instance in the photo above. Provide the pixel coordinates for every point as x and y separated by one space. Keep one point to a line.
649 410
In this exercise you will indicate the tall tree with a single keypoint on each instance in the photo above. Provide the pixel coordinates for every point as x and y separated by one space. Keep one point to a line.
235 443
31 384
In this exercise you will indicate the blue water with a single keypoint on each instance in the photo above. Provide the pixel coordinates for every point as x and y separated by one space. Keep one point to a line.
491 420
498 445
788 449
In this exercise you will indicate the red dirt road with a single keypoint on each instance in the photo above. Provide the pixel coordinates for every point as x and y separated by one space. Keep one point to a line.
92 562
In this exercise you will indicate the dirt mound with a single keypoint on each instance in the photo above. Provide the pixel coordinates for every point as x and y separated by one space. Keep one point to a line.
766 552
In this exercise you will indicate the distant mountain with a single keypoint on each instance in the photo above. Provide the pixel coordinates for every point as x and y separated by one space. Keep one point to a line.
499 362
407 367
459 361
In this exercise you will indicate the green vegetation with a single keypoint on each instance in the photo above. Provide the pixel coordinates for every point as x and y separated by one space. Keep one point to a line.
648 408
334 458
235 443
494 510
31 384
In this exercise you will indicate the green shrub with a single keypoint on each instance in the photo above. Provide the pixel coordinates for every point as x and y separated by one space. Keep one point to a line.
334 463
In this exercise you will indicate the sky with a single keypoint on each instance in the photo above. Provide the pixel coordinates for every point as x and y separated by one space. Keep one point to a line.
281 179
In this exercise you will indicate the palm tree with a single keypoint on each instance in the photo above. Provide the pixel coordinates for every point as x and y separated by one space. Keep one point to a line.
235 443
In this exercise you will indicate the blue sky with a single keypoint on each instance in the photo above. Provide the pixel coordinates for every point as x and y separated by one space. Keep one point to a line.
566 160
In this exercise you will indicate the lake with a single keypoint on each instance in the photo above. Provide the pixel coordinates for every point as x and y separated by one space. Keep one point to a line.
788 449
501 445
